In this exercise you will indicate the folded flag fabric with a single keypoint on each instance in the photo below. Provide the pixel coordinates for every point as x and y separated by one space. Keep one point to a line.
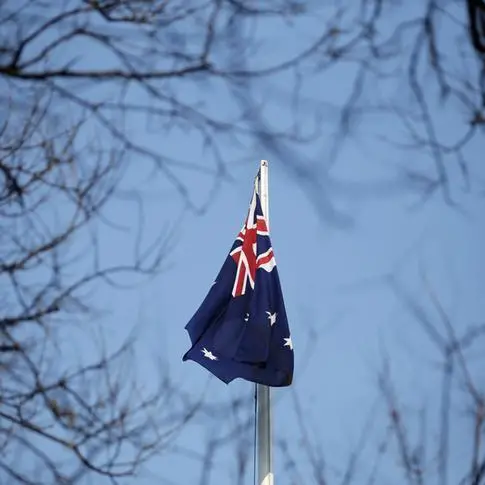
241 328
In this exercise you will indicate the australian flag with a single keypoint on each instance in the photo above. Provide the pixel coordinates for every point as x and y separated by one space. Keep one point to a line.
241 328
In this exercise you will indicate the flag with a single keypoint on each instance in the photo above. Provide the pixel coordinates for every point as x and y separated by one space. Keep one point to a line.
241 328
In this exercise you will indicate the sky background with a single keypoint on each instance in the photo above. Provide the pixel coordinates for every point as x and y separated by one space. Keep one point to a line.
344 316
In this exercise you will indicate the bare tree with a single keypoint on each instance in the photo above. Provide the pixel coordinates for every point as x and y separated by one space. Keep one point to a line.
123 64
412 87
63 393
77 78
409 437
459 404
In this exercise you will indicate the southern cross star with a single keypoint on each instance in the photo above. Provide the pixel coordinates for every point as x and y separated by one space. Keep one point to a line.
271 317
208 354
288 343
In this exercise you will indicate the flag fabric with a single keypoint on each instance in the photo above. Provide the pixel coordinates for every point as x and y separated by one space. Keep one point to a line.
241 328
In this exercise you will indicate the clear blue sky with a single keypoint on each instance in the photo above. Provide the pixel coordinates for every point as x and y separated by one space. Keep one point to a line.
342 314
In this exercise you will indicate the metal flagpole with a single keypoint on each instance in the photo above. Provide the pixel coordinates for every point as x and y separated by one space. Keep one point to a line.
263 394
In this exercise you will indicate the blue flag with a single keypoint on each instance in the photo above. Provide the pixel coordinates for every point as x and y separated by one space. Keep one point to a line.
241 328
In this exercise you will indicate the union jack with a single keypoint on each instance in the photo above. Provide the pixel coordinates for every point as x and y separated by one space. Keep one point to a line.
246 254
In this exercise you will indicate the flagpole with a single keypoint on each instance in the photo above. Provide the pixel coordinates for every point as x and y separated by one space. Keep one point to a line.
263 394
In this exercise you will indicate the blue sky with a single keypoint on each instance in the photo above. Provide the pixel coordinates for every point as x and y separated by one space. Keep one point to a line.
343 315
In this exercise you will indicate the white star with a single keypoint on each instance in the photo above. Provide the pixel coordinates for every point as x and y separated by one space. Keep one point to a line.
271 318
214 283
288 343
246 318
208 354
